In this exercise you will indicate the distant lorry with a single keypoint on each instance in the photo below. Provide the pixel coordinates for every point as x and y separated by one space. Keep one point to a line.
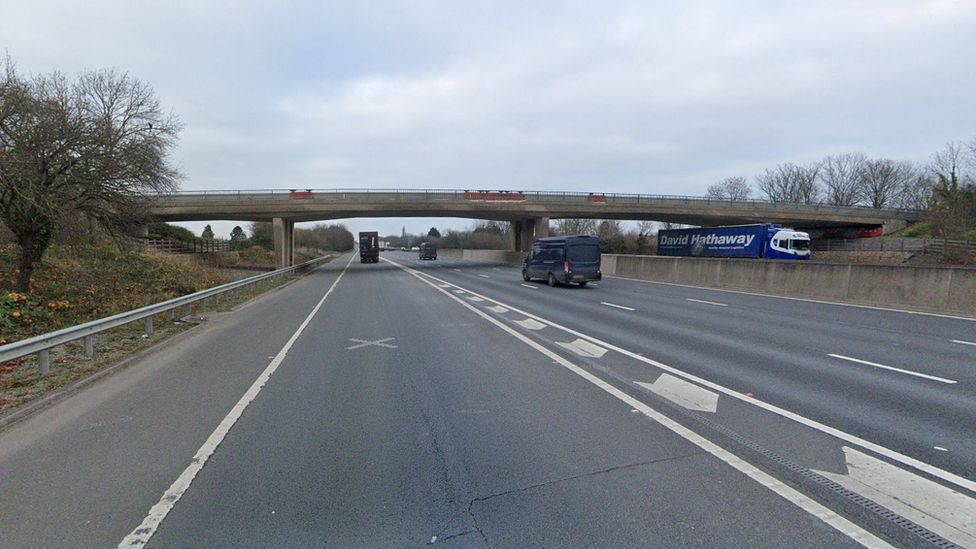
369 247
766 241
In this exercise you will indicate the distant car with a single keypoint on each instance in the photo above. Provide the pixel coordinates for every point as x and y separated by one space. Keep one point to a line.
563 260
403 248
428 251
415 249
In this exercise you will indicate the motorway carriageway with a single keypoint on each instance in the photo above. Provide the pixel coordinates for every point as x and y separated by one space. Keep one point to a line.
449 403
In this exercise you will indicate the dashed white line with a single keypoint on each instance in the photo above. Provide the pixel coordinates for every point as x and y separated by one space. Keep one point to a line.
708 302
617 306
941 449
530 286
893 369
484 276
961 342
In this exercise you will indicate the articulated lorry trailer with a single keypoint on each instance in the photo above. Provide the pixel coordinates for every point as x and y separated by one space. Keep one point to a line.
369 247
766 241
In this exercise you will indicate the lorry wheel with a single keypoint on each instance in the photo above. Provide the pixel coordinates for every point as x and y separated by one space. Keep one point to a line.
552 281
526 277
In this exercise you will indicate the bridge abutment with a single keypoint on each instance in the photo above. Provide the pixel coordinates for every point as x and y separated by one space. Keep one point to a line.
284 241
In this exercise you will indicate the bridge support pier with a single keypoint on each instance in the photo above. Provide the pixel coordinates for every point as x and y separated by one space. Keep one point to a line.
525 231
284 242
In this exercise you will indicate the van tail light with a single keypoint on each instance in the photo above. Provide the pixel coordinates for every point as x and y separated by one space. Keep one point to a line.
566 266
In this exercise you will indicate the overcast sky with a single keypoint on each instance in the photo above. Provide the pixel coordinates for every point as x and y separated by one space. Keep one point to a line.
650 97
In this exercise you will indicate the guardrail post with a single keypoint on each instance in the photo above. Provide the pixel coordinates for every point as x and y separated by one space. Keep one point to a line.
188 309
44 362
149 326
89 347
169 315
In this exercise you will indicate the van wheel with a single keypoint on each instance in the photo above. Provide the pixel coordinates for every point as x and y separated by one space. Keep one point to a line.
582 284
525 276
552 281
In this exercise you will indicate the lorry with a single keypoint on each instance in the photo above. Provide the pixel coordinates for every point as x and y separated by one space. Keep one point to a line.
369 247
764 240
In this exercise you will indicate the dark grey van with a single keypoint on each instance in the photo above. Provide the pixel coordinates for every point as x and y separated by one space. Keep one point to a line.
428 251
564 259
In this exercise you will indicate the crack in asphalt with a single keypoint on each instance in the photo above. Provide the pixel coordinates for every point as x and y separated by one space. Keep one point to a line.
613 469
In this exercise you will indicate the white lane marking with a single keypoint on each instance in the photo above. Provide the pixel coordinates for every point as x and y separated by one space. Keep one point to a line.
367 343
942 510
893 369
483 276
458 270
474 298
961 342
529 286
583 348
530 324
954 317
497 309
941 449
617 306
708 302
141 535
813 424
788 493
679 391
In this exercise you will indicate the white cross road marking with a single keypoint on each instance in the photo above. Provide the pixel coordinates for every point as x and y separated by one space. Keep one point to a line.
377 343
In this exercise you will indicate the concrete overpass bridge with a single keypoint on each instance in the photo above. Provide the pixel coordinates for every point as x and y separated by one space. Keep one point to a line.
528 212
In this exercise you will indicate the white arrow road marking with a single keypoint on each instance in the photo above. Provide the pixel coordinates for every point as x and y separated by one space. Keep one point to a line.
458 291
474 298
616 306
708 302
683 393
530 324
944 511
377 343
497 309
444 285
893 369
583 348
961 342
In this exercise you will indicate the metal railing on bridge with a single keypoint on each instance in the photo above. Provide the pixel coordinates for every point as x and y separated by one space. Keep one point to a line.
534 196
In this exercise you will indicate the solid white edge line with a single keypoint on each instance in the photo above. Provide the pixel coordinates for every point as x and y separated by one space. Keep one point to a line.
141 535
808 300
813 424
617 306
893 369
805 503
961 342
706 302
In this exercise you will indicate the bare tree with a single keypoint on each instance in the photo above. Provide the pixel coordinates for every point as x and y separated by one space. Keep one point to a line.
916 190
730 188
841 177
947 164
575 226
791 183
96 147
882 179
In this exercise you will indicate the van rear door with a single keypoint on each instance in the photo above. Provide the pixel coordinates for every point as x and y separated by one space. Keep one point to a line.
584 259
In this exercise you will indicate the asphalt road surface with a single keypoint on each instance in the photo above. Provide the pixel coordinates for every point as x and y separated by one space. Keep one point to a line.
451 403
